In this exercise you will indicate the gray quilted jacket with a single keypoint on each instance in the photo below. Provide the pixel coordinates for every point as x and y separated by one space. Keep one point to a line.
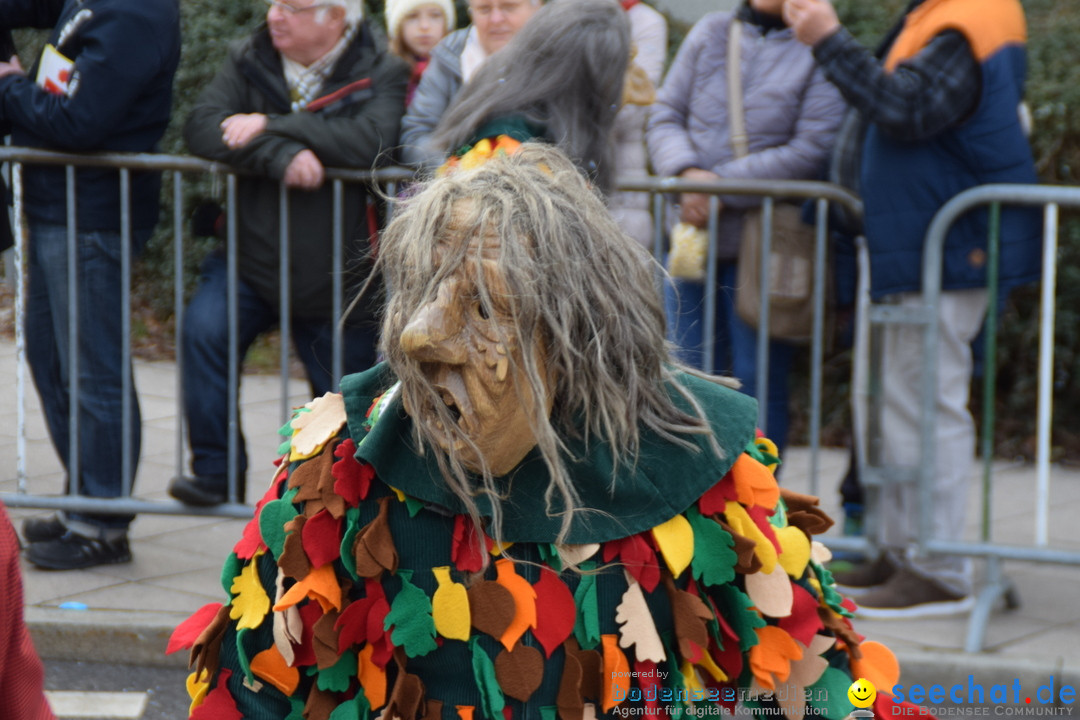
791 113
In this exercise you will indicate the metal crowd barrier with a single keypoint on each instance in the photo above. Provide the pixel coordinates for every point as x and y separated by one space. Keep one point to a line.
996 586
175 167
823 194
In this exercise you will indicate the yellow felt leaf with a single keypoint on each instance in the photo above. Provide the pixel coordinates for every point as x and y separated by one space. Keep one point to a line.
197 687
616 673
636 626
321 585
675 538
768 447
313 429
709 665
754 483
251 603
372 677
794 550
498 548
878 665
450 607
691 680
740 522
399 494
772 656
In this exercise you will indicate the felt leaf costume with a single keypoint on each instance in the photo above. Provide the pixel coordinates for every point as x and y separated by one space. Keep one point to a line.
689 583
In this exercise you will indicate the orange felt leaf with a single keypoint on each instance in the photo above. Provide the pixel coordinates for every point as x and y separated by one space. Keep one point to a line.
465 712
524 602
616 672
773 655
878 665
372 678
271 667
321 585
754 484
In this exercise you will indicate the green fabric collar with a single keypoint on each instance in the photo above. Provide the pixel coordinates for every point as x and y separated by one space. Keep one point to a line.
665 481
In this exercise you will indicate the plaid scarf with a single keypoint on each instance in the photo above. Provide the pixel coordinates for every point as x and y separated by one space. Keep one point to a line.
306 82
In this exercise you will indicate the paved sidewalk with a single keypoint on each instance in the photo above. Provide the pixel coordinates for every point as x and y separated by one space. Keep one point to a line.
130 609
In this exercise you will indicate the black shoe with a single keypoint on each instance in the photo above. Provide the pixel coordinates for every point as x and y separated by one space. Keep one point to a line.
42 529
72 551
202 491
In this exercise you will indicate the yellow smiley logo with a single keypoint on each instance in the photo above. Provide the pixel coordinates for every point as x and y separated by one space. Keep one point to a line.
862 693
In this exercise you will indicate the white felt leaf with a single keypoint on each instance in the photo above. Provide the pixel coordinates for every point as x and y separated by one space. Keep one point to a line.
636 626
771 592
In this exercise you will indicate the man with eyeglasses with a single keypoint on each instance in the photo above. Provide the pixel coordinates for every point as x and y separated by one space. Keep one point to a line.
102 83
315 87
453 61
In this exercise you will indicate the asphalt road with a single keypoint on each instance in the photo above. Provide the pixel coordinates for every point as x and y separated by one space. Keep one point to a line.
166 696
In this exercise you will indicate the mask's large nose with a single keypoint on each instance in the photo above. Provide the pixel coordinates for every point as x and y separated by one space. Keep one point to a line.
434 334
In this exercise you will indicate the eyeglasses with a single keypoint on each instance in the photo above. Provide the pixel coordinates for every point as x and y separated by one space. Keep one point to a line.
506 8
292 9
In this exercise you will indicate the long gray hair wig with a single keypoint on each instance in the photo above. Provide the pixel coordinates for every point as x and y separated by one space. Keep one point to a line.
577 284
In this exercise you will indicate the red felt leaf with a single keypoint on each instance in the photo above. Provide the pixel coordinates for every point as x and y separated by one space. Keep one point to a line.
804 622
638 557
730 657
849 605
760 516
310 614
465 551
555 611
352 478
353 624
714 499
251 541
322 538
187 632
649 682
219 703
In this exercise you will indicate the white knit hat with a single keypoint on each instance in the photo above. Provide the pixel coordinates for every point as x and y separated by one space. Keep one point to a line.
396 10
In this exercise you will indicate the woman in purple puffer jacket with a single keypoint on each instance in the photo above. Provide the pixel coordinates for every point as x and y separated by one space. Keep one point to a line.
791 117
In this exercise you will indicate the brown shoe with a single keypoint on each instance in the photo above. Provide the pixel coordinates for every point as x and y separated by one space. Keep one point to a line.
909 595
865 575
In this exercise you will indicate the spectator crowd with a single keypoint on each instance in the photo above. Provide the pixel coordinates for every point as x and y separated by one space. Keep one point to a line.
758 93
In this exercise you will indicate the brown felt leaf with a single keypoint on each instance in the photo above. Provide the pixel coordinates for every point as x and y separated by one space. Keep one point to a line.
592 669
294 562
320 704
691 616
491 607
207 647
841 629
519 671
432 710
325 640
407 697
308 475
748 561
804 512
374 549
569 701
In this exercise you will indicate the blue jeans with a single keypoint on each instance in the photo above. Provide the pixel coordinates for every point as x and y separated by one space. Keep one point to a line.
100 343
205 345
734 344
